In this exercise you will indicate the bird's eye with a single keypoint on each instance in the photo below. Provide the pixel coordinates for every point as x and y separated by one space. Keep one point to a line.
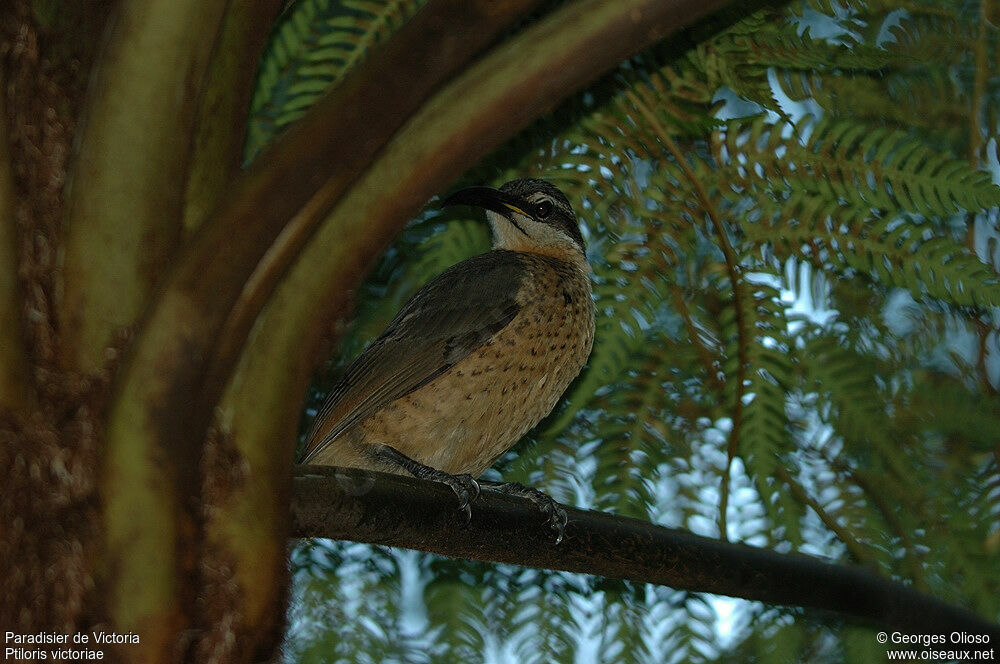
543 209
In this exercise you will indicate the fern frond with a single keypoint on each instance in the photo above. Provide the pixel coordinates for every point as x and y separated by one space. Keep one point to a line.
942 32
455 621
832 7
631 423
361 620
897 252
927 101
679 92
544 629
785 513
763 436
316 43
835 372
781 45
620 630
954 413
453 243
695 635
858 165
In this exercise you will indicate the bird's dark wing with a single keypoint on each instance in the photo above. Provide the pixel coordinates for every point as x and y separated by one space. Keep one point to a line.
443 322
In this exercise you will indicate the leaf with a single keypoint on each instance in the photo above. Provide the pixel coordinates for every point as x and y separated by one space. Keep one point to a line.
314 45
854 165
873 394
897 252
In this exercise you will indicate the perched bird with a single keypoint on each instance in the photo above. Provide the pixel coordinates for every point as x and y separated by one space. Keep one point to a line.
475 358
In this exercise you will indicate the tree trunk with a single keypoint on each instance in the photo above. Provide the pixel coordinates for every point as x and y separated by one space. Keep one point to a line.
165 310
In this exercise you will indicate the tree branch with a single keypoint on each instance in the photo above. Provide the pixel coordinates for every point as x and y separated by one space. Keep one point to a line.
195 332
125 193
161 409
220 128
392 510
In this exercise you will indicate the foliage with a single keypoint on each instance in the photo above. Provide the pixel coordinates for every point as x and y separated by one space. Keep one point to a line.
792 227
315 44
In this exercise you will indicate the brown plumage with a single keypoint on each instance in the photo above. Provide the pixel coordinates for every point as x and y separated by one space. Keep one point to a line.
477 356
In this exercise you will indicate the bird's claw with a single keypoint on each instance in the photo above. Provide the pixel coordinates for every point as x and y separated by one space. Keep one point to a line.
466 488
554 512
557 518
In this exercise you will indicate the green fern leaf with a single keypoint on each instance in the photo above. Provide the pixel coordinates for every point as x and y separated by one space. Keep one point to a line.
457 241
632 429
862 166
781 45
896 252
451 601
761 339
316 43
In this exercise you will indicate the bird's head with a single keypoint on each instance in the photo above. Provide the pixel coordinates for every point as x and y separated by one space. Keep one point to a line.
530 215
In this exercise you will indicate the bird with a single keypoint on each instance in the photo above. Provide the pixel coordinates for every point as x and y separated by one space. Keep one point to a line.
476 358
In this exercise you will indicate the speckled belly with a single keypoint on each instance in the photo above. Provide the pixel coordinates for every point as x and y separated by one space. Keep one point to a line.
470 415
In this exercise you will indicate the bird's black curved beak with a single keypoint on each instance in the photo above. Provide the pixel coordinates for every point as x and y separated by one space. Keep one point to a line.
488 198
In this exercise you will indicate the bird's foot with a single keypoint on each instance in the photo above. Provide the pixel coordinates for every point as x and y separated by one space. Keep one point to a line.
465 486
554 512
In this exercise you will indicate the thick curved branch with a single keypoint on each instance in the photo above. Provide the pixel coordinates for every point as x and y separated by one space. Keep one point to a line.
377 508
159 412
493 99
220 127
193 336
124 202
